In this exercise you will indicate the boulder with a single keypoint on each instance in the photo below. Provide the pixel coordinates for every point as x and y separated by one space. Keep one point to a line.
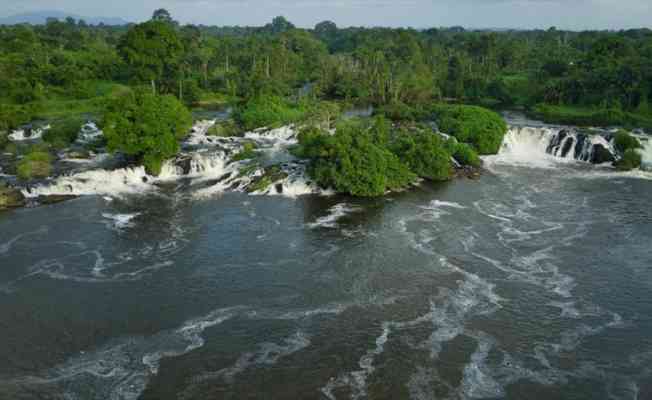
601 154
10 198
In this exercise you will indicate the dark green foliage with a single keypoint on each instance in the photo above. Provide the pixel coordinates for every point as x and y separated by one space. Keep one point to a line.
482 128
191 92
355 160
153 52
268 111
63 132
424 154
12 116
463 153
631 160
146 126
624 141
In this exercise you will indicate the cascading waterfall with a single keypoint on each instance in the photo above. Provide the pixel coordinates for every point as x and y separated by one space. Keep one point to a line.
541 145
207 163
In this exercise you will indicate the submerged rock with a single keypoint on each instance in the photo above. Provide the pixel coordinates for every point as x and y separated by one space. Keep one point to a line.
53 199
11 198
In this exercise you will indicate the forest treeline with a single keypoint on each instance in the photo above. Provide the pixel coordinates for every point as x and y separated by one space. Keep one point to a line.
68 66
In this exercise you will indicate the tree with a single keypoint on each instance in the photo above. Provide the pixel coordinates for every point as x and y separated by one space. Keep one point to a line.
146 126
153 51
162 15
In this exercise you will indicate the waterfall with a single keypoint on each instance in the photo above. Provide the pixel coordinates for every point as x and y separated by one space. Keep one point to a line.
544 146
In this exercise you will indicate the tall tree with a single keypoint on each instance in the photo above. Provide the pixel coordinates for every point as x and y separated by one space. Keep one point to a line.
153 51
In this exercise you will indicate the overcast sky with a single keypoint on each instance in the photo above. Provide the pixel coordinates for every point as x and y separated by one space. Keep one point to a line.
567 14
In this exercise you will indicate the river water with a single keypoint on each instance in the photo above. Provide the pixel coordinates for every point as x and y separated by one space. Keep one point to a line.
532 282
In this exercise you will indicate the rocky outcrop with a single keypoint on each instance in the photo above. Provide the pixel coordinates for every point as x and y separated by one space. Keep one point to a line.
601 154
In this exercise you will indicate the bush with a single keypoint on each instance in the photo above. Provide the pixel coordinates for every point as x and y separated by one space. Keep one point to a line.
191 92
482 128
424 154
354 160
62 133
12 116
631 160
463 153
268 111
624 141
36 164
146 126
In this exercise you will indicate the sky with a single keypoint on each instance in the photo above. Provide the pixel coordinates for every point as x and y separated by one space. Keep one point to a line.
564 14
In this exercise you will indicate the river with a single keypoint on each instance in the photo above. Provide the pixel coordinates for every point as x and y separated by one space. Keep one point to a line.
532 282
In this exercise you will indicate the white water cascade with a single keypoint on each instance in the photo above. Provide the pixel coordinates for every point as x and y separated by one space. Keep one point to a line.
543 146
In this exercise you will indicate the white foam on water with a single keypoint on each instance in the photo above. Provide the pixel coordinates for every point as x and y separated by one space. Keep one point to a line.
6 247
267 354
477 380
335 213
97 182
121 221
357 380
122 369
525 146
89 133
19 134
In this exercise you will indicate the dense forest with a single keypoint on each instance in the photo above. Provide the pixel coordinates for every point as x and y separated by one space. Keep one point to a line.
280 74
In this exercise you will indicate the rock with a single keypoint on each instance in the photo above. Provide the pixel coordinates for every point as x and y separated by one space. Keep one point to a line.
600 154
185 163
78 155
568 145
54 198
11 198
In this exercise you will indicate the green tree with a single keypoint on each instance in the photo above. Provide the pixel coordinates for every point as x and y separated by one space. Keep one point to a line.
146 126
153 51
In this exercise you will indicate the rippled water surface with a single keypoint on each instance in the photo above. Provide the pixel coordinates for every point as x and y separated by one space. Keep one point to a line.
529 283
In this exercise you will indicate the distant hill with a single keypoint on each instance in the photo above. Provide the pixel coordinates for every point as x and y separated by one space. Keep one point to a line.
40 17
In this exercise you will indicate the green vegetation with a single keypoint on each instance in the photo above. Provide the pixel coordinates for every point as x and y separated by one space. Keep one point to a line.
248 152
268 111
63 132
463 153
226 128
625 141
480 127
424 153
355 160
592 116
36 164
146 126
631 160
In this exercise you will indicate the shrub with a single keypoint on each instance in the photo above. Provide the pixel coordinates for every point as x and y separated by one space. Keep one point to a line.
12 116
424 153
146 126
62 133
624 141
482 128
354 160
268 111
36 164
463 153
631 159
